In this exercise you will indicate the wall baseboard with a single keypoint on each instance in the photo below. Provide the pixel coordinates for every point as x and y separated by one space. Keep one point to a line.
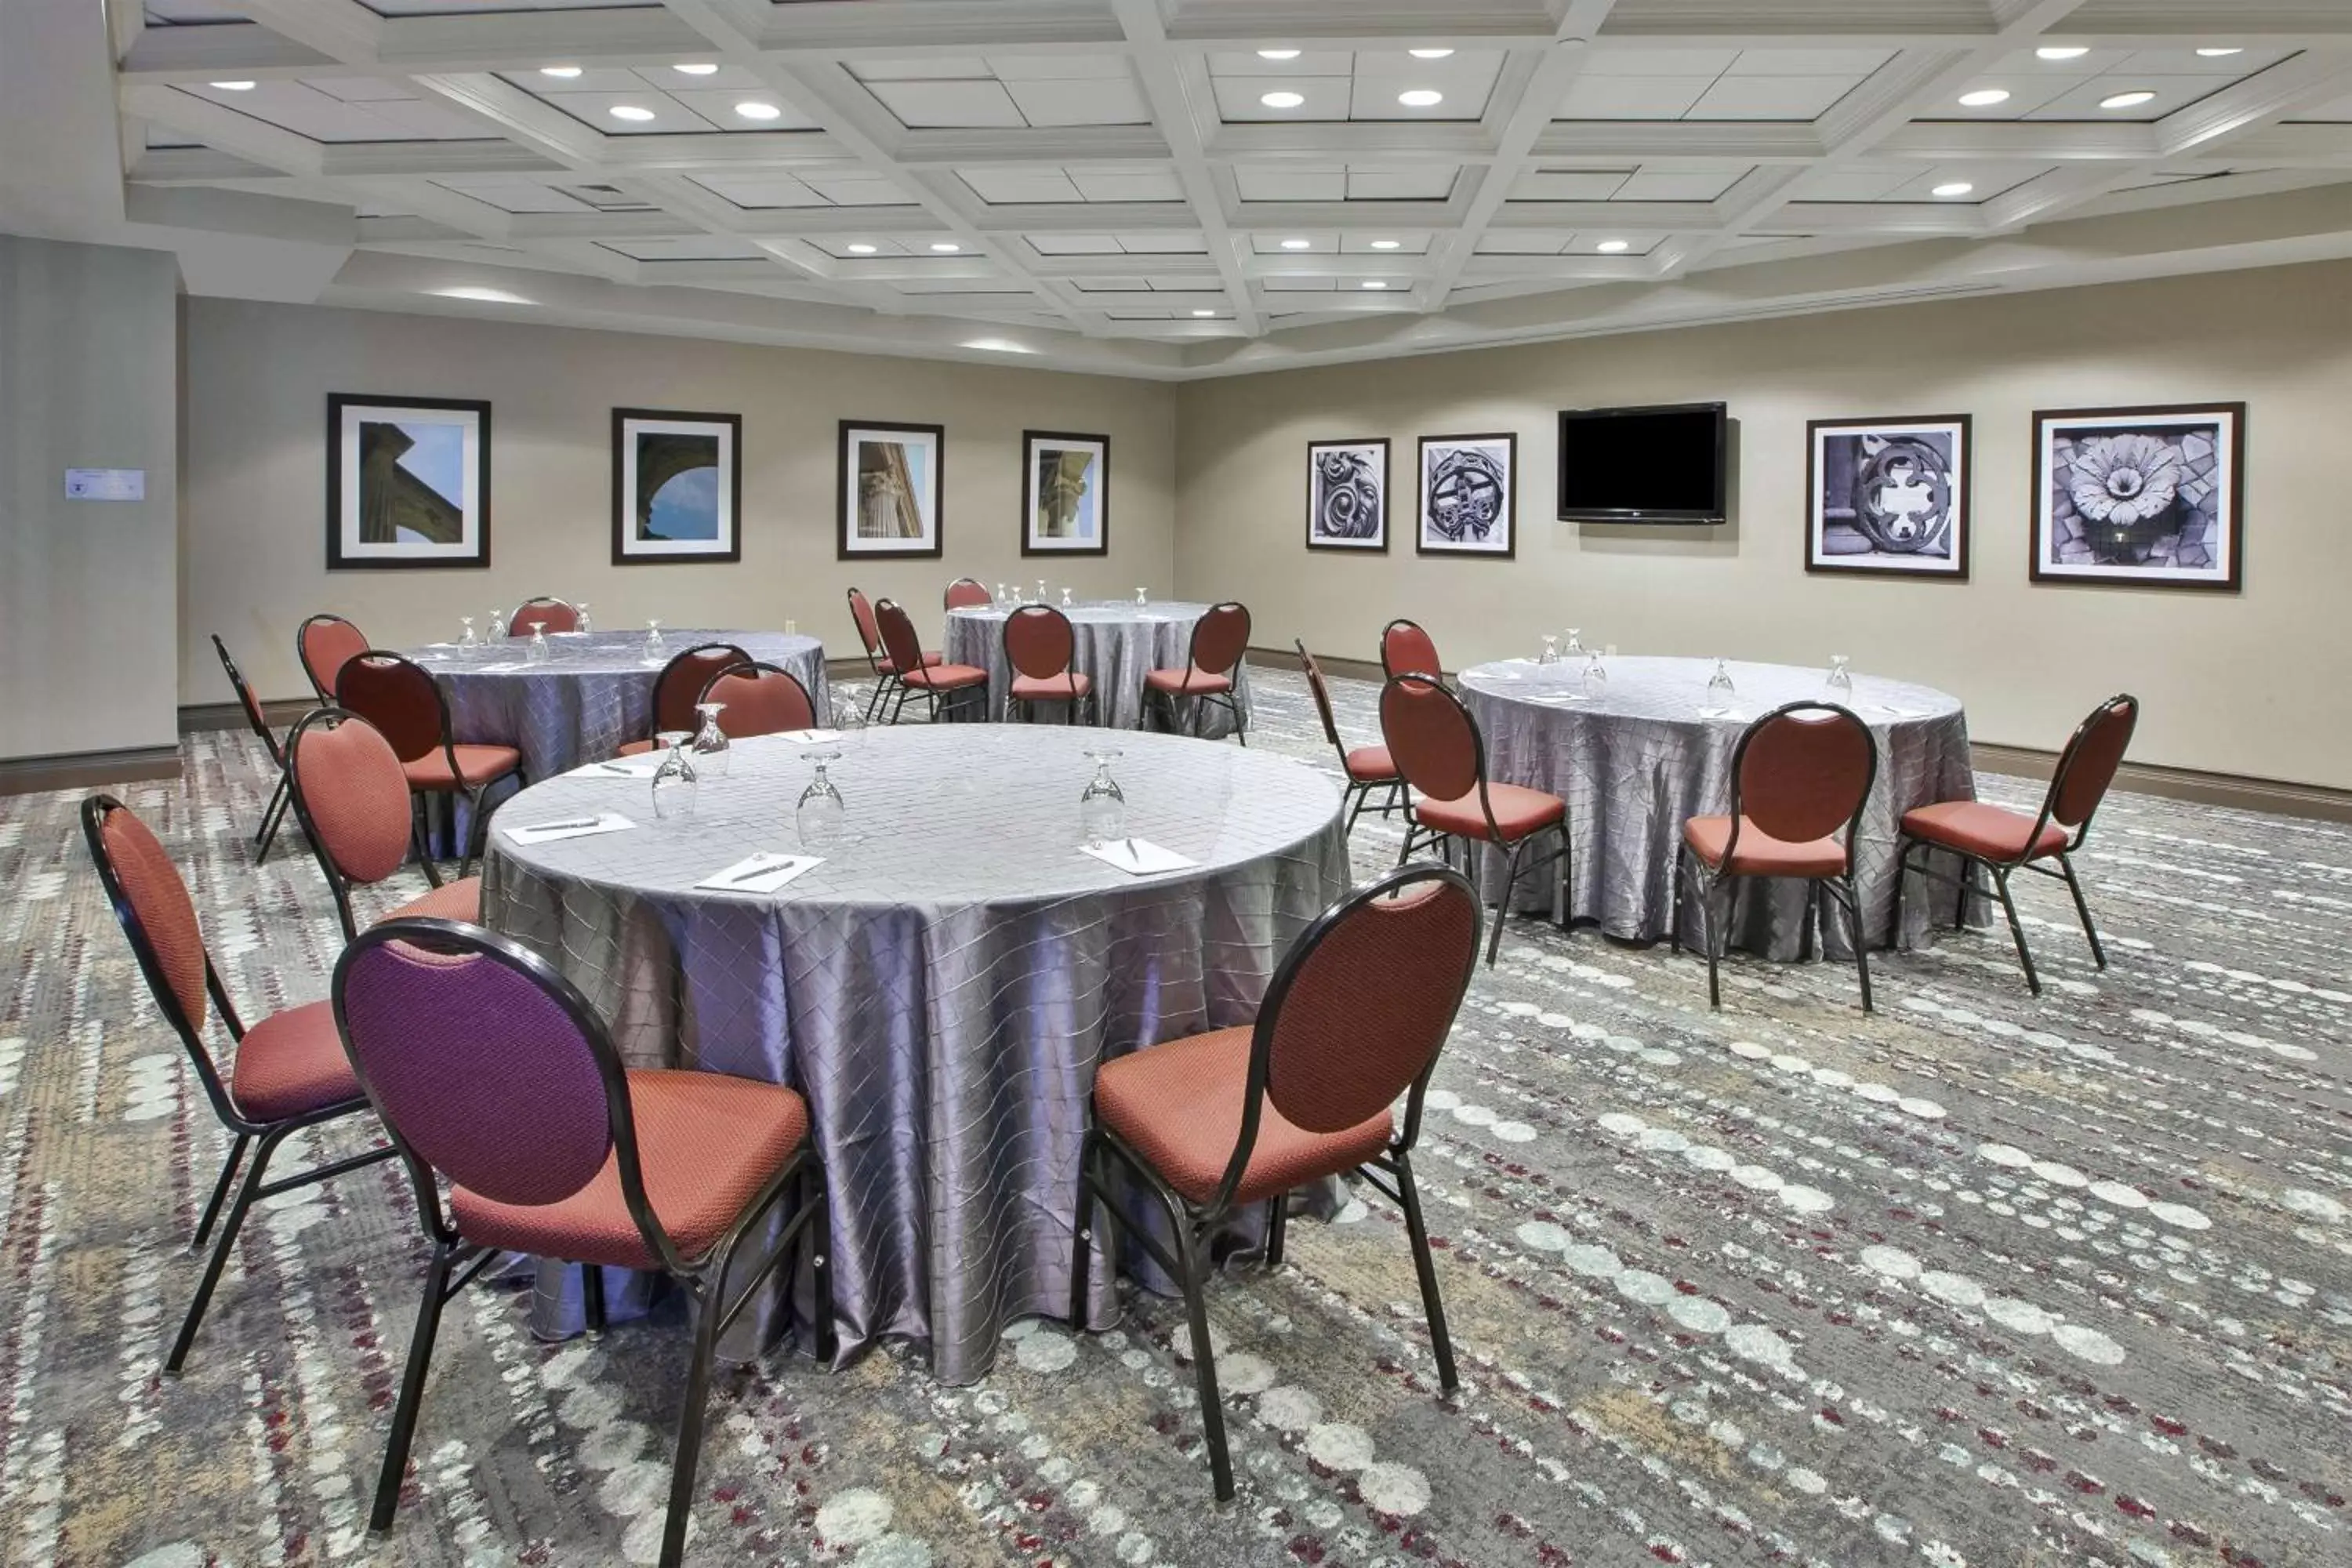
39 775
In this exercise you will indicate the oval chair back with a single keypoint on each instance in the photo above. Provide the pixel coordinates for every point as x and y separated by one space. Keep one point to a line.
158 917
254 719
1406 650
1800 772
682 679
1221 638
861 611
1432 738
553 615
397 695
967 594
2087 766
323 644
760 700
1322 694
899 644
1038 642
352 799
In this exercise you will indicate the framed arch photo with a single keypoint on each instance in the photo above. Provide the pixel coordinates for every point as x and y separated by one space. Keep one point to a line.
2145 497
1889 498
677 483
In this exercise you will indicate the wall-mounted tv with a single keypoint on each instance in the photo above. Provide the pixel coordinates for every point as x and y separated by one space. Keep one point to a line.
1644 464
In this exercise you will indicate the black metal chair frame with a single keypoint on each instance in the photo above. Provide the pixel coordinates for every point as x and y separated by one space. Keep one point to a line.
1358 792
518 625
274 814
1417 835
456 1262
478 840
325 694
2000 871
961 698
1229 699
337 883
1707 883
1090 703
262 1137
1191 1225
1389 674
752 668
874 653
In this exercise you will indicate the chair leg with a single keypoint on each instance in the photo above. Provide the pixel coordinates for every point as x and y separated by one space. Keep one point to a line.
1960 903
2083 911
412 1389
874 698
1902 875
1205 1361
1425 1264
591 1297
819 1238
422 838
1711 937
1361 796
272 817
247 1192
1277 1228
1563 889
1675 901
1082 1232
1503 906
690 1425
477 840
2016 928
1861 948
220 1190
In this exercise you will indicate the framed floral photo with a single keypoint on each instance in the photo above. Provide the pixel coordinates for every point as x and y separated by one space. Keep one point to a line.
1347 495
2150 497
1888 497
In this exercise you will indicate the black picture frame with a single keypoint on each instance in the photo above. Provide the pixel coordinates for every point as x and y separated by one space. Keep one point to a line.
1880 563
1508 512
1386 511
846 547
2228 459
1069 440
627 551
345 554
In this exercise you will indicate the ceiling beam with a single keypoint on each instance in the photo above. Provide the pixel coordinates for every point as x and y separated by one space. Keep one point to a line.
1181 113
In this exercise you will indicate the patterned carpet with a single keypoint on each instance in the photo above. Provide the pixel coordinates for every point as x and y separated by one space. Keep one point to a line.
1982 1280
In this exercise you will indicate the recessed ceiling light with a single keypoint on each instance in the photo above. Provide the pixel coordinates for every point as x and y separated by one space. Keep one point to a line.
859 247
999 345
630 112
1613 247
2131 100
1277 54
232 86
1295 244
1373 283
703 70
563 73
487 296
754 109
1385 244
2220 54
1429 54
1283 99
1199 313
1956 188
1421 98
1984 98
2061 51
945 246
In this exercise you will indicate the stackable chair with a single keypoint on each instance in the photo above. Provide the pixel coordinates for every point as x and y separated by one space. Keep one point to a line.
1354 1018
942 685
1041 649
1211 665
968 593
288 1073
552 615
1406 650
402 700
323 644
1799 778
760 700
877 658
1368 768
1437 747
2004 841
679 687
491 1071
274 814
354 803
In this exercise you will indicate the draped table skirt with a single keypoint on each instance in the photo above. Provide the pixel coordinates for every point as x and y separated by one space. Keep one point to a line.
1119 643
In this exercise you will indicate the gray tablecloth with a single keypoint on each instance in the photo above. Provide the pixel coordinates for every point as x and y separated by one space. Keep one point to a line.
1119 643
942 988
1636 759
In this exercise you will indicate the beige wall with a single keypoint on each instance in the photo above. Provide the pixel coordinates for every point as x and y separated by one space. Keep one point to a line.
2254 683
257 380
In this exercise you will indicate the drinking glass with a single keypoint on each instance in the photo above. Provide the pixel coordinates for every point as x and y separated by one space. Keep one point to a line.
1066 598
1596 674
1839 686
1142 596
711 742
1575 644
819 816
497 626
655 649
582 625
467 639
1550 654
1041 591
540 652
1102 808
674 782
849 719
1720 692
1004 597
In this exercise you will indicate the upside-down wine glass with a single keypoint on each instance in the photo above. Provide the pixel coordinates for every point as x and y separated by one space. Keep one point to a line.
1575 644
654 646
1839 686
539 652
1041 591
674 781
710 744
1142 596
466 639
1596 674
848 719
497 626
1550 654
580 624
1720 692
1102 808
819 816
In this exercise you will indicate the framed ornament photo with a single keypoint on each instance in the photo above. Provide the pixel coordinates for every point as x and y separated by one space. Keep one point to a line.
408 482
891 489
1347 495
1889 496
1065 494
1468 496
2148 497
677 482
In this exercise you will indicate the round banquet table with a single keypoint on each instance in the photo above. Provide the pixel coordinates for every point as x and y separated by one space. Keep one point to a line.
1119 643
1637 758
941 987
595 692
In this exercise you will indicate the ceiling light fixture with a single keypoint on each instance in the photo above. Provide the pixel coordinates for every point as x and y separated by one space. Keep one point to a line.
2219 54
945 246
1984 98
1295 244
859 247
1277 54
1372 283
754 109
2131 100
1421 98
1283 99
1613 247
232 86
1429 54
2061 51
562 73
703 70
485 296
630 112
1956 188
1385 244
1197 314
999 345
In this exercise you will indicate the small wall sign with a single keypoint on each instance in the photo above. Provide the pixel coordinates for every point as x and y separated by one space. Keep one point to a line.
106 484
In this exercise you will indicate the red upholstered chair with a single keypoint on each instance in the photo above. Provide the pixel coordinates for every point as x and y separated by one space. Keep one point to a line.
322 644
553 615
1406 650
402 700
1437 747
1799 778
679 687
1040 646
1220 642
760 700
1354 1019
258 721
969 593
494 1074
352 798
2003 841
942 684
886 672
1368 768
287 1072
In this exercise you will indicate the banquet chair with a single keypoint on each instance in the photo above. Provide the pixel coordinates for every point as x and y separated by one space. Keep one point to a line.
1366 768
941 684
1436 745
1406 650
969 593
353 800
1799 778
760 700
1212 667
493 1073
402 700
554 614
2004 841
323 644
1354 1018
288 1073
274 814
886 672
1041 649
679 687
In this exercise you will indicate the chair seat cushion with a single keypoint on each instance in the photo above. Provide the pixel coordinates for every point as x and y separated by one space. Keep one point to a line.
1994 832
1518 812
1063 688
947 678
636 748
707 1143
1371 764
476 764
1179 1105
458 900
291 1063
884 667
1188 683
1759 854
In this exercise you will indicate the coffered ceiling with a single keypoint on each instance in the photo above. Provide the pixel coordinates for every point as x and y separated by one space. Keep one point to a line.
1185 187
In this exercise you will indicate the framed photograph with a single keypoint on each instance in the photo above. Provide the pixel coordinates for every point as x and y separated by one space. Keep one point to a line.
1469 495
1889 496
1347 495
1066 501
408 482
677 483
889 480
2145 496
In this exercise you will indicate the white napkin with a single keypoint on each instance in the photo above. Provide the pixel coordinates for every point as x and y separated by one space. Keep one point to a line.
579 824
644 765
1721 713
1137 857
1556 697
809 737
761 873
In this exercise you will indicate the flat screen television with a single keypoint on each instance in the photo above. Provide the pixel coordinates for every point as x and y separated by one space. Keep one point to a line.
1642 465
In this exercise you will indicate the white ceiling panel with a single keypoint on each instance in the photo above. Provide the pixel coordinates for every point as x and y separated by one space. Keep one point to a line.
949 105
1595 97
324 116
1083 101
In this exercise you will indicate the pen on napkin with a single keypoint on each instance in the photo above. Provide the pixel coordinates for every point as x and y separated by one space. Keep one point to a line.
616 767
1132 854
556 826
766 866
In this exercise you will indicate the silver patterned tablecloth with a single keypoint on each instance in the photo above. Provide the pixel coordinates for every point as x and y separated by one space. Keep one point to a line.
595 692
1119 643
940 988
1635 758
